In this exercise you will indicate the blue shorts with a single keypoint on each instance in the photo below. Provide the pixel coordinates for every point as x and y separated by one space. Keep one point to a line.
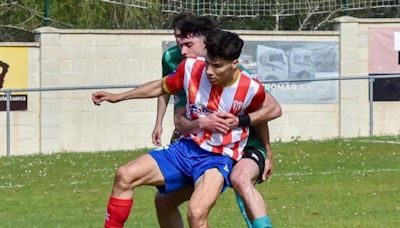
183 162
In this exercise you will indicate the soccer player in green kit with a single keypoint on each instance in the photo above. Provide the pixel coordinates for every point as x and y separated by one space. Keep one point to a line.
170 60
254 158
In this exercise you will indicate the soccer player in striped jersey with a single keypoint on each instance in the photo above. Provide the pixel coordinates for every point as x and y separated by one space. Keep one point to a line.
203 159
167 204
255 167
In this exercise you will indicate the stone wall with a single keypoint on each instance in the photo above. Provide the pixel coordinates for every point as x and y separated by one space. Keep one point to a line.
354 102
68 121
25 125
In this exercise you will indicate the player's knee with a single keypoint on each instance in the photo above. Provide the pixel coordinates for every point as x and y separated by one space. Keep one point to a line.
196 214
241 182
122 179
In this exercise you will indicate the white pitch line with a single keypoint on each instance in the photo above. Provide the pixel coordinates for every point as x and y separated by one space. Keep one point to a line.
375 141
334 172
11 186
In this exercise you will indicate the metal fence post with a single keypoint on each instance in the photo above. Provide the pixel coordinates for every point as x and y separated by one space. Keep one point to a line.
371 106
46 13
8 109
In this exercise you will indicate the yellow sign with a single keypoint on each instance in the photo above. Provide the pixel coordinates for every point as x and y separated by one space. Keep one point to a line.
17 60
14 74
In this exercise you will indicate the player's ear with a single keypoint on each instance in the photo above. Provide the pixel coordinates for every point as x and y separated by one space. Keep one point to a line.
235 63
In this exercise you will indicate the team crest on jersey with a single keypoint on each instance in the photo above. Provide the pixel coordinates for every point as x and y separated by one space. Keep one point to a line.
198 111
237 106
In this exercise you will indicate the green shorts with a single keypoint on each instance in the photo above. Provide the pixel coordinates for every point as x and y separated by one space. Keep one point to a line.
255 151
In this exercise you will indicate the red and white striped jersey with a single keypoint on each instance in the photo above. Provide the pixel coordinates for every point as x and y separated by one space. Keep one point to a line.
245 95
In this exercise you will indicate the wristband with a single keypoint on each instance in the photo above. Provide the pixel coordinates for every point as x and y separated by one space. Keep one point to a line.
244 120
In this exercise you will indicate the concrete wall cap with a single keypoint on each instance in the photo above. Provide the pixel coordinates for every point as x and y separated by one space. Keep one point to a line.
286 32
168 32
19 44
102 31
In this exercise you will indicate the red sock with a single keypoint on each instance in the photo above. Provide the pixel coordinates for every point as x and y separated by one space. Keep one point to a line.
117 212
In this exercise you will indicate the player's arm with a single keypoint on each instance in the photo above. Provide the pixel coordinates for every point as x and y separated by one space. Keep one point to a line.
262 131
162 102
269 110
147 90
168 67
169 84
213 122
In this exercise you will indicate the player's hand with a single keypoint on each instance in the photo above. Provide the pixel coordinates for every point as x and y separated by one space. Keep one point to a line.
267 168
231 120
176 135
214 123
101 96
156 135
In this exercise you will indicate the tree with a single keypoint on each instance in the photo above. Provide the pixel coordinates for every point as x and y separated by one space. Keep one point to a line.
18 18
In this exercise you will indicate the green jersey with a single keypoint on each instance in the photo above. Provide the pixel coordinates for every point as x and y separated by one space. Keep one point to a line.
170 61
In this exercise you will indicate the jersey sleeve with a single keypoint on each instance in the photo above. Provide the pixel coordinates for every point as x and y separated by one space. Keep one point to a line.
173 82
257 100
167 65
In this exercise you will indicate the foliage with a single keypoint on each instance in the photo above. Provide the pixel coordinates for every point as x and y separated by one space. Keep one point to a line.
18 18
332 183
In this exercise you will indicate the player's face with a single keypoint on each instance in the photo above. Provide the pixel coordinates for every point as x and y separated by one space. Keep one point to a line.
221 71
193 46
178 39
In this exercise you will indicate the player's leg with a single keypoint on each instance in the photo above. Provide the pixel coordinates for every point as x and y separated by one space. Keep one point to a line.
211 174
161 167
207 190
168 212
244 175
242 209
143 170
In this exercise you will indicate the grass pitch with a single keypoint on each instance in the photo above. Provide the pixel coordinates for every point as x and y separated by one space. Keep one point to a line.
332 183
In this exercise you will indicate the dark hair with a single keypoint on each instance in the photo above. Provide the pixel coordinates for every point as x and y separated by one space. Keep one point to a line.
223 45
197 26
178 20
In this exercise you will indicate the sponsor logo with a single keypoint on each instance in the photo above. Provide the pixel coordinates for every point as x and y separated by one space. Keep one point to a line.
161 148
255 156
226 168
198 111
